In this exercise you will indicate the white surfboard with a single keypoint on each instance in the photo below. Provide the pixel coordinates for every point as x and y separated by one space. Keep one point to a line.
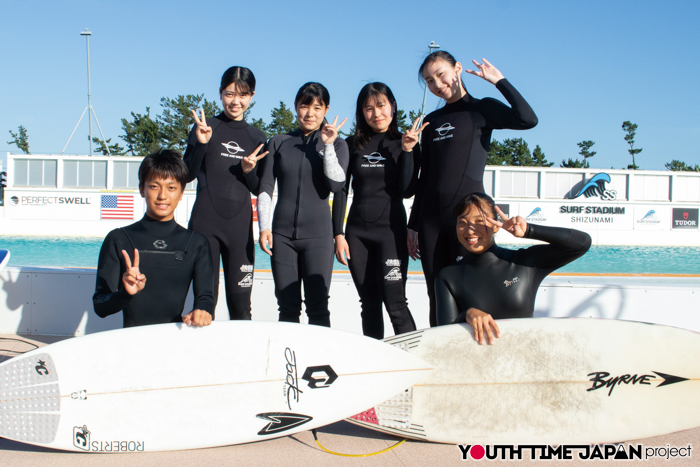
547 381
171 387
4 258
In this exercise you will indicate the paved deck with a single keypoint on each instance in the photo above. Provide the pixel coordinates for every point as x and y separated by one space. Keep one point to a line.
300 449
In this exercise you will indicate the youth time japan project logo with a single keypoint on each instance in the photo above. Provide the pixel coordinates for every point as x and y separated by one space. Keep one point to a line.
573 452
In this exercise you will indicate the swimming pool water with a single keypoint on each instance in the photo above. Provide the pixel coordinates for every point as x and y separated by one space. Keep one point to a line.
83 252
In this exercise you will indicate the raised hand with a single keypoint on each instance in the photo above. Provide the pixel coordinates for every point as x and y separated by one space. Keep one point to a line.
329 132
410 138
342 250
486 71
203 131
133 280
516 226
248 163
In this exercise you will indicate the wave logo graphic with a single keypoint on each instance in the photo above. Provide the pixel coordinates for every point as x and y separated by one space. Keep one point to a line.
444 129
650 218
596 187
232 147
374 158
537 212
394 275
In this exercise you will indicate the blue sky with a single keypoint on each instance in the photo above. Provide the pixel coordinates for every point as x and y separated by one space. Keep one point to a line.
585 67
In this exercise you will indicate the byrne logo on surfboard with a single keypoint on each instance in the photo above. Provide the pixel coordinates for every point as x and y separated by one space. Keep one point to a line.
320 376
602 379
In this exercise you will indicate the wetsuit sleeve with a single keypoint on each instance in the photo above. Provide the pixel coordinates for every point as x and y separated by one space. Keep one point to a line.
194 155
335 164
447 310
565 245
409 164
340 205
267 185
253 177
202 279
420 185
110 297
519 116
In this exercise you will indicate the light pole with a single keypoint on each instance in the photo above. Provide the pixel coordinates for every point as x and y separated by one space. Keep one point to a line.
87 35
91 111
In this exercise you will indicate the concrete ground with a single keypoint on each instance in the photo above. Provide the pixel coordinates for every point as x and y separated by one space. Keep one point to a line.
301 449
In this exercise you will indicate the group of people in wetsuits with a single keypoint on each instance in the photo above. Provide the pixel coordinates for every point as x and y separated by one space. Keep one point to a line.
451 218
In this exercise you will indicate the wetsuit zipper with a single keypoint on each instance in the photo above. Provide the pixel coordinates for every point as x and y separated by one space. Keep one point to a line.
304 140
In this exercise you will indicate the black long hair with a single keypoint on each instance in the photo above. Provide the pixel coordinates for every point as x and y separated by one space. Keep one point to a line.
242 77
363 132
440 55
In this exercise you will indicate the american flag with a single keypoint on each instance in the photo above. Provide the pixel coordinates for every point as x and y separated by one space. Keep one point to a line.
117 207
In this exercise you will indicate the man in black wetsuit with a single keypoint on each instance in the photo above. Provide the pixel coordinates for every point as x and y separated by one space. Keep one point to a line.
165 255
491 282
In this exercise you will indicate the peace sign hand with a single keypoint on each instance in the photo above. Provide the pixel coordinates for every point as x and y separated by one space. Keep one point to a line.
133 280
248 163
410 138
486 71
203 131
516 226
329 132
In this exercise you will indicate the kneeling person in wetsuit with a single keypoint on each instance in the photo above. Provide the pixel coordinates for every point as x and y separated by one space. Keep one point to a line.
491 282
152 287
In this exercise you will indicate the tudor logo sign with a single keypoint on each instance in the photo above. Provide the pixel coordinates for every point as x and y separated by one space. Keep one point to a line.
684 218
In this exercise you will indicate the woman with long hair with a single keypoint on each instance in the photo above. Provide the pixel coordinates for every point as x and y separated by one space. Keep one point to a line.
454 151
307 164
221 154
383 170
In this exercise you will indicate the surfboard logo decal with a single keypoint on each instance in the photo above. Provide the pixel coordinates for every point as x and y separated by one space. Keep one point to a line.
602 379
41 368
669 379
291 383
326 373
280 421
81 437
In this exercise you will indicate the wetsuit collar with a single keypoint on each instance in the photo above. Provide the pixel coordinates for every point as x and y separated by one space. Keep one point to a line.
482 258
156 228
235 124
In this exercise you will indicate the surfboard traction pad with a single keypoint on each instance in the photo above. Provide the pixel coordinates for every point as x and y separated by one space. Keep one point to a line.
30 399
396 412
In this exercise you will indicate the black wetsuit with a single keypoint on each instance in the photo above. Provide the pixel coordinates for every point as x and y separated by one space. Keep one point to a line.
454 150
382 175
222 211
301 226
503 282
170 257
